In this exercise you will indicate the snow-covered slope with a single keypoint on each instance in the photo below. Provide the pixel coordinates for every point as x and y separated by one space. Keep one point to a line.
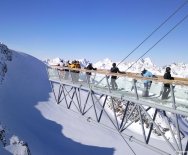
28 110
25 85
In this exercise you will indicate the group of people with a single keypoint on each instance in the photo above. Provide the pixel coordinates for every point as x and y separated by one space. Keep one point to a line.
75 73
114 69
147 83
75 76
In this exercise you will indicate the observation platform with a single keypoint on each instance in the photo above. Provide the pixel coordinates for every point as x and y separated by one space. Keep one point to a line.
130 87
93 97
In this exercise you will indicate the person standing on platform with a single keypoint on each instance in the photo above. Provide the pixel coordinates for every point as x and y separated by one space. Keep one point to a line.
67 64
88 74
166 88
147 83
114 69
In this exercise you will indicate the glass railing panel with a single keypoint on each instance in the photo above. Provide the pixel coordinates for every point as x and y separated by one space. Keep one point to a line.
152 92
181 92
80 78
100 81
181 97
126 87
125 84
148 89
60 74
74 76
139 87
53 73
156 89
86 79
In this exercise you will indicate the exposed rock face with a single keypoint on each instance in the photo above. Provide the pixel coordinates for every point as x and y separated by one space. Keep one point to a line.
5 55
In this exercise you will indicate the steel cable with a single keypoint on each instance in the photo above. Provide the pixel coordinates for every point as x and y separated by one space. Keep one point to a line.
158 41
167 19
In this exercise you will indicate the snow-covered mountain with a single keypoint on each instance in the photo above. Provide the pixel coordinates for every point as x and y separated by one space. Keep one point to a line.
83 62
55 61
178 69
18 95
104 64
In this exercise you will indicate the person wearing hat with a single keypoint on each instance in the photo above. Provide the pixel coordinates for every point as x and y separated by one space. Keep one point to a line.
166 88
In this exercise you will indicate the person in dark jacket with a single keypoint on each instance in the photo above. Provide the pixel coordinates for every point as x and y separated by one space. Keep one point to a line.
166 88
88 74
114 69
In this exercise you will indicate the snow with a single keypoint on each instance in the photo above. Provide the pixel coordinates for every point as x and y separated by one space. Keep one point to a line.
84 62
29 111
105 64
55 61
16 146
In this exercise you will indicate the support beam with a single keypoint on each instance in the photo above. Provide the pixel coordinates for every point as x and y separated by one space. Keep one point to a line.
73 97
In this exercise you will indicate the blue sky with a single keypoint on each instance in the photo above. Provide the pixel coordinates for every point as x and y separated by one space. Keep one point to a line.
94 29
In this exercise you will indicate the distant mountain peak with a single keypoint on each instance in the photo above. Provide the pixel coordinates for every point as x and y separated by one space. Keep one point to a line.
107 60
178 69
